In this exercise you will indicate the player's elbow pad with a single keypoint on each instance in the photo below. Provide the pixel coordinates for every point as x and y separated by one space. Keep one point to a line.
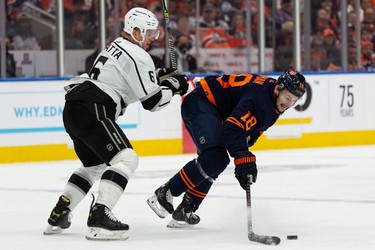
158 101
152 102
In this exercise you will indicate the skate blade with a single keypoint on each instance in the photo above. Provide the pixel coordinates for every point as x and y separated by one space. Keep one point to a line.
96 233
178 224
155 206
52 230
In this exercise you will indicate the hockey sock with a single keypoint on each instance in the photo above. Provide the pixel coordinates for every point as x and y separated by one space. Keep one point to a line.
111 187
81 181
202 188
188 177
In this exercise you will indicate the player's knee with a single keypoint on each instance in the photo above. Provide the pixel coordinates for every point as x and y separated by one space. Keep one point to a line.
126 161
91 174
214 160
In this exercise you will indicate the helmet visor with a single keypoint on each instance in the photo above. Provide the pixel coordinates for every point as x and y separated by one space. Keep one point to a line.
154 34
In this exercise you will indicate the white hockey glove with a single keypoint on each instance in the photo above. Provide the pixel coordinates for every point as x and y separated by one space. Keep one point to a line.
177 83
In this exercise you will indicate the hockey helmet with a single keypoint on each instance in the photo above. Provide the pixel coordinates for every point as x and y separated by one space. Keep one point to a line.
143 19
293 81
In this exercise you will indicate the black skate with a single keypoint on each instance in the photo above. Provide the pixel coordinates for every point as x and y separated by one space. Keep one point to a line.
60 217
184 216
103 225
162 201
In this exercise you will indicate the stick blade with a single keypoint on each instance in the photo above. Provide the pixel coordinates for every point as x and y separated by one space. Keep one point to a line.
268 240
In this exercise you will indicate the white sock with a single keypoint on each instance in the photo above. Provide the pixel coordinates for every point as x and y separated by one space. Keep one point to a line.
109 194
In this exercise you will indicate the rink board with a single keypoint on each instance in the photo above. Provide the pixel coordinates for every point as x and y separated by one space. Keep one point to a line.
337 111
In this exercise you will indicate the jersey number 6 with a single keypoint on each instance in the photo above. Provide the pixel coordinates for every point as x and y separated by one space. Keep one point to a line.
95 71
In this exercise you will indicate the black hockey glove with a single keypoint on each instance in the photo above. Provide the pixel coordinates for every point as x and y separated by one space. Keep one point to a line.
164 73
177 83
245 165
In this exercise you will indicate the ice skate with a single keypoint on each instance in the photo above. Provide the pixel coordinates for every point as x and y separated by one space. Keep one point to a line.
162 201
184 216
103 225
60 217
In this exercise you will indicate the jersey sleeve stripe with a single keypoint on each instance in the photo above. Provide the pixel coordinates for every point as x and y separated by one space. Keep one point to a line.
208 91
235 121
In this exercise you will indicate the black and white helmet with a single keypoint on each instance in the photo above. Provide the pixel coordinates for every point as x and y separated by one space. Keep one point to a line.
293 81
142 19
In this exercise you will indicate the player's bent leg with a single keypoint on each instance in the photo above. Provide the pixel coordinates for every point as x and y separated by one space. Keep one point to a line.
81 181
209 164
196 178
115 178
102 223
75 190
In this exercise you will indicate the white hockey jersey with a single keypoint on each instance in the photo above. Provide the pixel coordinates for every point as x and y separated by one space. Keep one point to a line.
127 74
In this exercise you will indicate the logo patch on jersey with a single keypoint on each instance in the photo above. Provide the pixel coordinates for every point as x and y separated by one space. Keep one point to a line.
109 147
202 140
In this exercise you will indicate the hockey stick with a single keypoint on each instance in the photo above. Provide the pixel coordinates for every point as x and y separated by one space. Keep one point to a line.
264 239
172 53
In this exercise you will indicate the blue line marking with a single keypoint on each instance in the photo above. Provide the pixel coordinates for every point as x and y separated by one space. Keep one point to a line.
50 129
31 130
297 199
32 92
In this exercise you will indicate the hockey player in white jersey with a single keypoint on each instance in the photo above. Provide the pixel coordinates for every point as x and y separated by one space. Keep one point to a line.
123 73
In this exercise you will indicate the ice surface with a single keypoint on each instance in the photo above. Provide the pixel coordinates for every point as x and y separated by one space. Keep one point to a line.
325 196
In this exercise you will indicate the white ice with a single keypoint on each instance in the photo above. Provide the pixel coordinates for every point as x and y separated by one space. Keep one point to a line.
325 196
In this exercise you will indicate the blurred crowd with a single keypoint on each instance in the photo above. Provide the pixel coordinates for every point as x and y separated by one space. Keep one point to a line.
222 24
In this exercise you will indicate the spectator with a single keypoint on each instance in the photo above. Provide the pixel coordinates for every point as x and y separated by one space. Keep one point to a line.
74 38
367 59
364 5
369 18
352 58
318 57
367 34
186 63
222 19
214 38
208 18
352 18
284 51
190 11
319 60
24 38
284 14
321 20
237 31
211 34
333 53
10 63
331 8
182 26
